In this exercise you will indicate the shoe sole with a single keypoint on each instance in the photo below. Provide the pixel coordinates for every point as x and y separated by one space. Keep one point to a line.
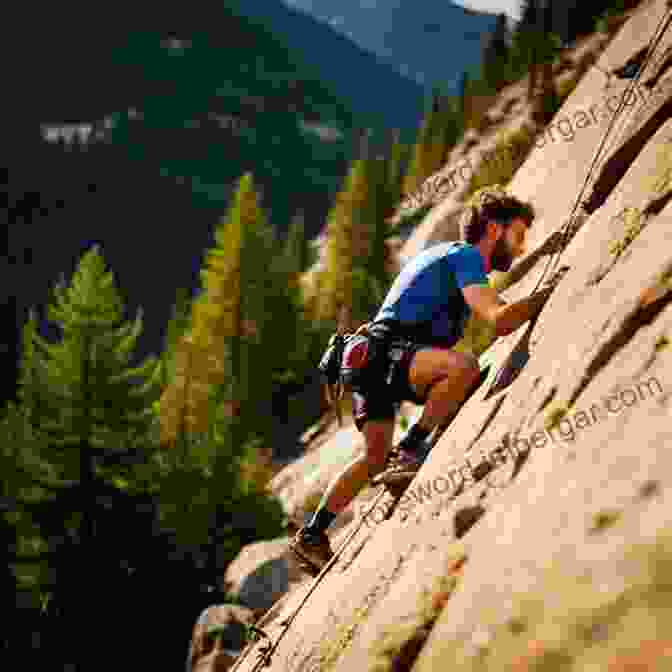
394 477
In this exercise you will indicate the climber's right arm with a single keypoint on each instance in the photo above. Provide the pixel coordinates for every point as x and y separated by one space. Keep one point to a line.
506 317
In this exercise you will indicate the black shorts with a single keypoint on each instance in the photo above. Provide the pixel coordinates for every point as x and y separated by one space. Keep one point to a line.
382 402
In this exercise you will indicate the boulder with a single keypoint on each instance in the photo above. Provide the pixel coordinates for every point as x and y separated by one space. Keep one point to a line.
218 637
261 574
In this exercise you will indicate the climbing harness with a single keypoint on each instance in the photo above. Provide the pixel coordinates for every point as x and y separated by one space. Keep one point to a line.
355 360
330 366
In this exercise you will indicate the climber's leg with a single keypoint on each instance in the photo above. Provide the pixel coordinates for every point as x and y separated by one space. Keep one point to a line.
378 431
444 378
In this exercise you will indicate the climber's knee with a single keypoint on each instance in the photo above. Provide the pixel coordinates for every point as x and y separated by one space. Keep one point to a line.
433 365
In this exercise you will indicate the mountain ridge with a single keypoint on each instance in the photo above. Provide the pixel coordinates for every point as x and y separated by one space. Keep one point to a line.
409 35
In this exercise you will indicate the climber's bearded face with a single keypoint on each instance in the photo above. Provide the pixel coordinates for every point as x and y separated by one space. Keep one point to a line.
509 245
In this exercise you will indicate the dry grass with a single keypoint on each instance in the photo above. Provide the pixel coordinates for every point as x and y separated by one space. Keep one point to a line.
568 84
634 223
332 648
500 165
479 335
554 414
312 501
662 342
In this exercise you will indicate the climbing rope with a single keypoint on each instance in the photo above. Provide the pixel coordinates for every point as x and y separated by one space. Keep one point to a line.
266 652
566 228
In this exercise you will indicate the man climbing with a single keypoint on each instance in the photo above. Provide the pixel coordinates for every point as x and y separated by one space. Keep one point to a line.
427 306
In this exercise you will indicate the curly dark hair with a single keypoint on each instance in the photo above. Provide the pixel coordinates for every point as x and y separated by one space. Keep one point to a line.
492 203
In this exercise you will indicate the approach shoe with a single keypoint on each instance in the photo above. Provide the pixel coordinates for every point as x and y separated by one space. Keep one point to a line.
312 548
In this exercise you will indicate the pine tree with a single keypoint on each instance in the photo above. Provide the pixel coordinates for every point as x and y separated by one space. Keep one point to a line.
396 163
525 43
94 414
495 55
374 278
347 247
423 159
535 45
89 393
296 252
29 381
548 100
288 298
178 325
224 366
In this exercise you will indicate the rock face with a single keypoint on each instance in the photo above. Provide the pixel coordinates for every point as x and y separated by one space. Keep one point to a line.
537 534
447 188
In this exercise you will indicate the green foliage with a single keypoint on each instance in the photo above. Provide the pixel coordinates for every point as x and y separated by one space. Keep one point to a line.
478 96
355 277
411 220
547 104
296 250
232 320
610 19
439 132
178 325
367 295
535 43
85 389
348 244
396 167
495 55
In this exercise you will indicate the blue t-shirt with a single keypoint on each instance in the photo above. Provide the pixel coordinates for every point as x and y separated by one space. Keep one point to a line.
426 296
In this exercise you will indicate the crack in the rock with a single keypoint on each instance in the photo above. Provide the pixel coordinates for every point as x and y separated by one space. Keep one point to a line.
548 398
662 68
466 518
639 317
620 161
555 243
656 205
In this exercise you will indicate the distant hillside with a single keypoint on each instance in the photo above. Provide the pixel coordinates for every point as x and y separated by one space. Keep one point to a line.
431 42
373 86
134 132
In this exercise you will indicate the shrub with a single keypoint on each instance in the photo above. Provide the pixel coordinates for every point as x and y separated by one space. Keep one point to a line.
567 85
501 165
546 105
409 221
634 223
